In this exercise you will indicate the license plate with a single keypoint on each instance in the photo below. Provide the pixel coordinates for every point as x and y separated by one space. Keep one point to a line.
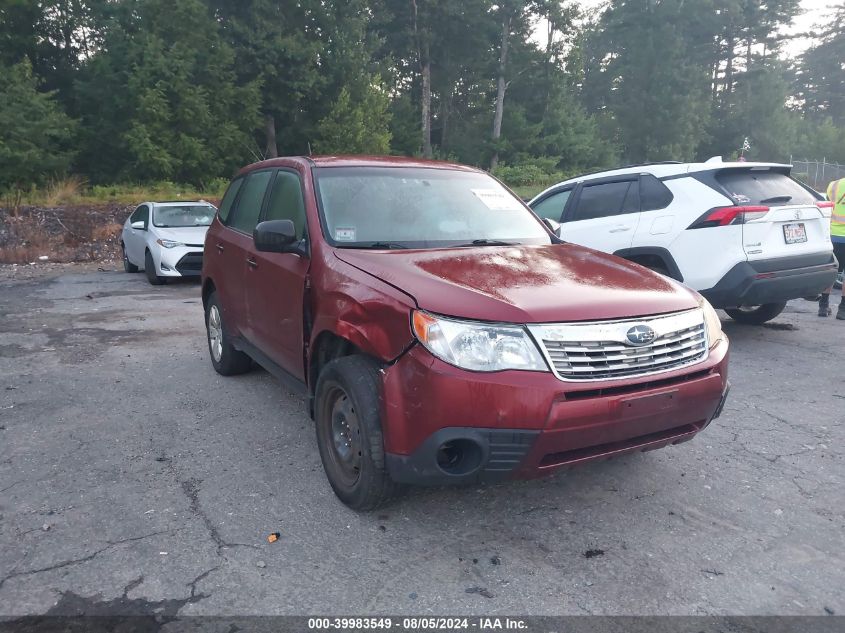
794 233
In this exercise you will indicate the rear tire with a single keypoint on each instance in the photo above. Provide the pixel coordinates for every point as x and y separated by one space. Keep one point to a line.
349 435
150 269
756 315
226 360
128 267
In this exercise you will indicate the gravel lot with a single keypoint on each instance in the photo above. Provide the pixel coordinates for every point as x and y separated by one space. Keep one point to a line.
134 479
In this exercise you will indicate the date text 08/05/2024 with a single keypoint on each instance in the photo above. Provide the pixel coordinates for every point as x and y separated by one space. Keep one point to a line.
416 623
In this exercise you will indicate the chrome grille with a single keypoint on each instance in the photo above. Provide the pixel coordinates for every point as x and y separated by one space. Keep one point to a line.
601 350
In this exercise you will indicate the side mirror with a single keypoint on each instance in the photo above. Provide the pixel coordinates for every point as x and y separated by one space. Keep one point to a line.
554 227
139 225
275 236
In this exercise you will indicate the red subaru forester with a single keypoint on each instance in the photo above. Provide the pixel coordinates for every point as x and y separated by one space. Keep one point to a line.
442 332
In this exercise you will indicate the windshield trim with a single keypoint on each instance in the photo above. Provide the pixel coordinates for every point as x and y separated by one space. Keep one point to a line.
156 207
420 244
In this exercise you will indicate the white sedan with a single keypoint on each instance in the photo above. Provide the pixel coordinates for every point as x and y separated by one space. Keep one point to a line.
166 239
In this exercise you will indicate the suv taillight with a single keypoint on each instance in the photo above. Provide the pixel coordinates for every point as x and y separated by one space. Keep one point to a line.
824 204
724 216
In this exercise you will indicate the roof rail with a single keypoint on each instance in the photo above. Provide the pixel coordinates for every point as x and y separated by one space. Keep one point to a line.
657 162
179 201
601 171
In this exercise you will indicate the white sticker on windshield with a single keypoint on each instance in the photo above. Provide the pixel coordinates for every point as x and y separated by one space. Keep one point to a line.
344 234
497 199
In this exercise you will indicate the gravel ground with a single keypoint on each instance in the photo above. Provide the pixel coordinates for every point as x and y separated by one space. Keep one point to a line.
133 479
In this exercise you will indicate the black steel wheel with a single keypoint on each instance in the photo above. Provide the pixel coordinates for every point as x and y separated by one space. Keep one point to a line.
349 434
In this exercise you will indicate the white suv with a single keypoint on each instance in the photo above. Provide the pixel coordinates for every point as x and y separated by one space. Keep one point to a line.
745 235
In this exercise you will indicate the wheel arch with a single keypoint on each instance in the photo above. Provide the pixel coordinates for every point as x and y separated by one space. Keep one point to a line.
328 346
645 255
207 288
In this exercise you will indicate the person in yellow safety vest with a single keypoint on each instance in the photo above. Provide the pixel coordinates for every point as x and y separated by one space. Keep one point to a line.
836 194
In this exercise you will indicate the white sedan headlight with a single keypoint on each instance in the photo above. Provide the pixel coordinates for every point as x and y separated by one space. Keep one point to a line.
712 322
477 346
168 243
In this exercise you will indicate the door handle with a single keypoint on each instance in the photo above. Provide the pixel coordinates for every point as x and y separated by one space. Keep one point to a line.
220 248
620 229
251 262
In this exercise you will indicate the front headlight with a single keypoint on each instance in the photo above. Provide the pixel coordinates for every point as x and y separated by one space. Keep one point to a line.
168 243
712 322
477 346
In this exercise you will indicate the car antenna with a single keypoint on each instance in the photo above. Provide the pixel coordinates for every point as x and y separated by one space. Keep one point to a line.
309 147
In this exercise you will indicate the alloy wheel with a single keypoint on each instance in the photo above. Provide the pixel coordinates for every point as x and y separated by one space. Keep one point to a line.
215 333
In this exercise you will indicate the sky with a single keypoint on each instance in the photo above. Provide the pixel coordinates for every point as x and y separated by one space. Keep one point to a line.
814 12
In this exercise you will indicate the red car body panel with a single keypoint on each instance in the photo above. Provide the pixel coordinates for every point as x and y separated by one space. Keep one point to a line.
287 304
525 284
423 394
371 314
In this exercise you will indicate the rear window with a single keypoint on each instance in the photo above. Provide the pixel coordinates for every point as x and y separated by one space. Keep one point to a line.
747 186
229 198
654 194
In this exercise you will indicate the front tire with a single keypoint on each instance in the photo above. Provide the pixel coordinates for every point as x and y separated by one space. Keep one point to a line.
756 315
226 360
349 435
150 269
128 267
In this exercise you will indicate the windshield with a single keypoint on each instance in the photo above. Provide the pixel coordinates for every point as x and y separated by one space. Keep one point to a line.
174 216
412 207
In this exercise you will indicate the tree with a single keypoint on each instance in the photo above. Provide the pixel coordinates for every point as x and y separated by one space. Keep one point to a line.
513 18
821 74
35 134
646 73
174 109
356 128
278 46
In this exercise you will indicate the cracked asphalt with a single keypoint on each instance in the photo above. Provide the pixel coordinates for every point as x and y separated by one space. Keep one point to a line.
133 479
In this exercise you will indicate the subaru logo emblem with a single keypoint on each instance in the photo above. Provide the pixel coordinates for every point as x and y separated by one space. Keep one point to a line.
640 335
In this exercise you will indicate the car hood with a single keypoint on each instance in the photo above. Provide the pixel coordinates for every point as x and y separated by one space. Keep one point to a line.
524 284
184 234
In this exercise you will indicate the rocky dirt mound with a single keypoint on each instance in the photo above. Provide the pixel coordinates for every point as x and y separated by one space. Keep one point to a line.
72 233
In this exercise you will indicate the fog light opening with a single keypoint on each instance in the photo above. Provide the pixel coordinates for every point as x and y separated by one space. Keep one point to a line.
459 457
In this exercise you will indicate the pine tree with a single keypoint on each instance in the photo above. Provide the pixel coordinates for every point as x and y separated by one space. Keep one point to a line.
35 134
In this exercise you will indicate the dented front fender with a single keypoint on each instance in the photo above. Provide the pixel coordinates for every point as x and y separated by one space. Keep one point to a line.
371 314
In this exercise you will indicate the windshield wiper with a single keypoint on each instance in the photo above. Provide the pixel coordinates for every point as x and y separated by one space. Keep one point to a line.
488 243
377 246
776 199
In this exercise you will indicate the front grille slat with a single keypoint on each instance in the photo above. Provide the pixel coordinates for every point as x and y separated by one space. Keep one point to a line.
612 346
598 351
633 353
610 366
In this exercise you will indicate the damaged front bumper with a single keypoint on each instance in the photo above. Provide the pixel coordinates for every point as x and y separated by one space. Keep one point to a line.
444 425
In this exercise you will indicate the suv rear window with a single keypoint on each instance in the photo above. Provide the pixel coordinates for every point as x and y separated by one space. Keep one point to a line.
749 186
